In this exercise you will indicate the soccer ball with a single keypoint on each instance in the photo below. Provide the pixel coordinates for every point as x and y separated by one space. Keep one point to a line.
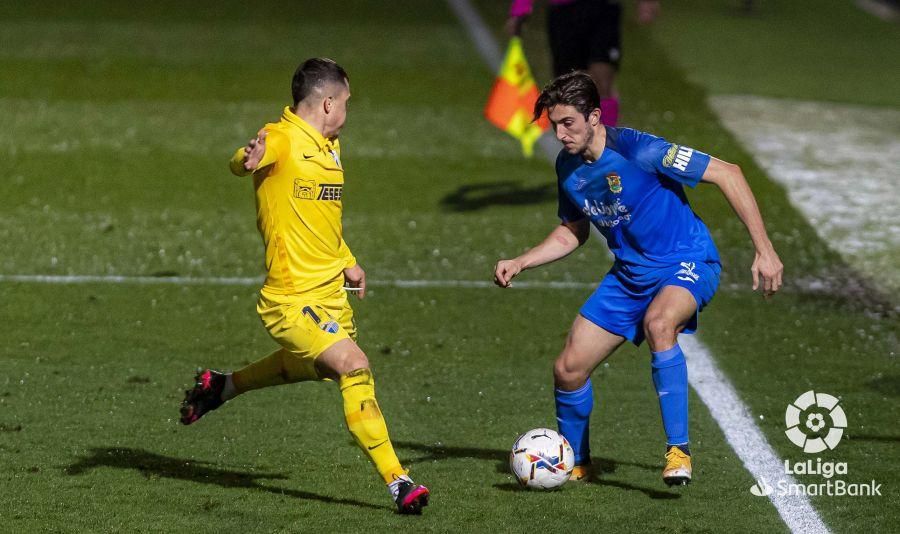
542 459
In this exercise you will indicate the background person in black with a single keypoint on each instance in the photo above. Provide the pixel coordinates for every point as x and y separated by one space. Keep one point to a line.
585 35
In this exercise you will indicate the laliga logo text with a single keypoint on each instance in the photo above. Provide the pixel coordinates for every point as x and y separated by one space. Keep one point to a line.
816 423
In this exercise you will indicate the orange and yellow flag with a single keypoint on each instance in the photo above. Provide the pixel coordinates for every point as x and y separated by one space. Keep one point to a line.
511 104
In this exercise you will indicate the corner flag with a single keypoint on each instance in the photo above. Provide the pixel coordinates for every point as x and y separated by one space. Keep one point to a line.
511 103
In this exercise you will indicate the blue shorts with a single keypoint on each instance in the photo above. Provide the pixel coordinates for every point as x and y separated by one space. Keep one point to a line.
622 299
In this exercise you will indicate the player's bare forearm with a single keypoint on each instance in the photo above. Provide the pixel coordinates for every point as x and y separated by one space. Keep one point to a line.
564 239
734 187
737 192
561 242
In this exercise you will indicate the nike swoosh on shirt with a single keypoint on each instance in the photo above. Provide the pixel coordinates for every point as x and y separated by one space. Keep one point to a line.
307 157
379 445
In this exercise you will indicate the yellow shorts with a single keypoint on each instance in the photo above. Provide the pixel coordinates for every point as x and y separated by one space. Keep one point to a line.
307 325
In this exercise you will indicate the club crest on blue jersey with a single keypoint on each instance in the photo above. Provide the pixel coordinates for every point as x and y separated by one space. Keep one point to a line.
615 183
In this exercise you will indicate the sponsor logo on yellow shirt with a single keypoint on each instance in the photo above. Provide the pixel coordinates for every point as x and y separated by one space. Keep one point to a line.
331 191
308 190
304 189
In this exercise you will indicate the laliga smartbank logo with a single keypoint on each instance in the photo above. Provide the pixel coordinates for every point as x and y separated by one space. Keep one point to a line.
815 422
761 489
806 423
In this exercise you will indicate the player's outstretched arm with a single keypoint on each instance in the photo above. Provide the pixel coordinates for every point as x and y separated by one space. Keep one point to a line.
251 157
560 243
766 264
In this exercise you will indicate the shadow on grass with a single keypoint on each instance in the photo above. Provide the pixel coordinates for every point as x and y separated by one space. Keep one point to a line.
886 385
872 437
153 465
506 193
649 492
604 466
444 452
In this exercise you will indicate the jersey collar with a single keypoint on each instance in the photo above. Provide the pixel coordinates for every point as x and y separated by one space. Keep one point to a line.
305 127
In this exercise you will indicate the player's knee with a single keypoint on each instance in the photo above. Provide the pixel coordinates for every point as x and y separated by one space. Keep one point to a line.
340 360
566 374
659 329
357 360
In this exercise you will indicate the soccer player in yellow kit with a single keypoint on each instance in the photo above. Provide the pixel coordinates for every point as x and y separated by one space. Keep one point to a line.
298 179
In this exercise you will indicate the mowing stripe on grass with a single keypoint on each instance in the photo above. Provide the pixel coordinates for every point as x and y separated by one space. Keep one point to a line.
713 387
255 281
882 10
838 163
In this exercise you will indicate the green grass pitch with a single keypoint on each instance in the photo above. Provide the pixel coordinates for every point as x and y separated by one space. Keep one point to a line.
117 126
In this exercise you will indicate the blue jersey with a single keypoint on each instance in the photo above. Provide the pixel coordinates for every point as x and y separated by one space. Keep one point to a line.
634 195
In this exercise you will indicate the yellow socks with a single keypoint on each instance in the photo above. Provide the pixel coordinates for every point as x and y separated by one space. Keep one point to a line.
366 423
280 367
364 419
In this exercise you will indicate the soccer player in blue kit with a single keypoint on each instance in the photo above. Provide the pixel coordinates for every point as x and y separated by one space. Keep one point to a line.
629 185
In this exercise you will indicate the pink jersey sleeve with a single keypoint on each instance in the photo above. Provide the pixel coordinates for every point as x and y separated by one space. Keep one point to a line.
520 8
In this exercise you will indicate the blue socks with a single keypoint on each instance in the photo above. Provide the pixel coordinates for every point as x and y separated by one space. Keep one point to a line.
573 413
671 382
573 408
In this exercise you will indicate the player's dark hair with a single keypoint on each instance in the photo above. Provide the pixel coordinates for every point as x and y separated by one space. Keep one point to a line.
574 89
313 73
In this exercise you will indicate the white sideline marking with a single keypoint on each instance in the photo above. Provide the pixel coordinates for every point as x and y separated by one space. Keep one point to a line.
137 280
492 55
741 432
255 282
71 279
713 387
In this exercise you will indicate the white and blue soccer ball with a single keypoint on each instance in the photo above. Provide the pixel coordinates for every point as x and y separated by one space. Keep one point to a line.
542 459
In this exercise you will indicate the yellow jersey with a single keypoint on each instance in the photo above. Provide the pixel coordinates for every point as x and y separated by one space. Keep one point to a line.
299 184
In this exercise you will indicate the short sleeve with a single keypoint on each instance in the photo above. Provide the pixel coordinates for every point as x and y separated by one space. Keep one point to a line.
567 211
277 148
677 162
